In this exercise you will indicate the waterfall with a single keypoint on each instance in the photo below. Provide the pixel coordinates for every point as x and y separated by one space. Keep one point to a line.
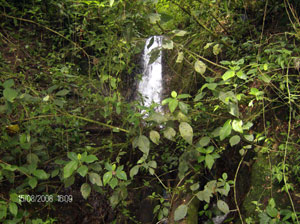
150 87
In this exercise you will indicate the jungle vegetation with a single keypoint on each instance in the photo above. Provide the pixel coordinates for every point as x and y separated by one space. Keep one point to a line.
75 147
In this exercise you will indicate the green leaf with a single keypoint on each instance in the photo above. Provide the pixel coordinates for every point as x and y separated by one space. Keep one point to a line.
95 179
90 159
62 92
85 190
169 133
209 161
200 67
241 75
121 175
179 33
216 49
113 183
152 164
157 117
222 205
82 170
186 131
237 125
183 107
180 212
10 94
13 208
225 130
134 171
32 182
234 109
250 138
228 74
173 104
204 195
32 158
154 17
195 187
180 57
69 168
248 125
154 136
234 140
8 83
204 141
272 212
111 2
107 177
40 174
144 144
167 44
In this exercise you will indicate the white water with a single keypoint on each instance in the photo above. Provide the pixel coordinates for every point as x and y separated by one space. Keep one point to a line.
150 87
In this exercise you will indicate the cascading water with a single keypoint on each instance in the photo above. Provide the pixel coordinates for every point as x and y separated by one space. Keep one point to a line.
150 87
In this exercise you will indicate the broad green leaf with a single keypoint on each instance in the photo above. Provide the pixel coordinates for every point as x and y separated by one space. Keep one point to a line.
154 17
200 67
152 164
234 109
157 117
183 107
234 140
40 174
179 33
121 175
62 92
167 44
180 212
113 183
13 208
144 144
229 74
204 141
54 173
85 190
248 125
111 2
173 105
250 138
154 136
169 133
10 94
195 187
107 177
183 96
216 49
134 171
225 130
69 181
204 195
237 125
209 161
90 159
186 131
70 168
3 211
165 101
8 83
95 179
180 57
222 205
32 158
241 75
72 155
32 182
181 117
265 78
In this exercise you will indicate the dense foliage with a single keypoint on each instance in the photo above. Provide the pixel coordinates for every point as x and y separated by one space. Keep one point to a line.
76 147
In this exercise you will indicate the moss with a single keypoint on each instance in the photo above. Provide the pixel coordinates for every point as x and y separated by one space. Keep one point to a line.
262 189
